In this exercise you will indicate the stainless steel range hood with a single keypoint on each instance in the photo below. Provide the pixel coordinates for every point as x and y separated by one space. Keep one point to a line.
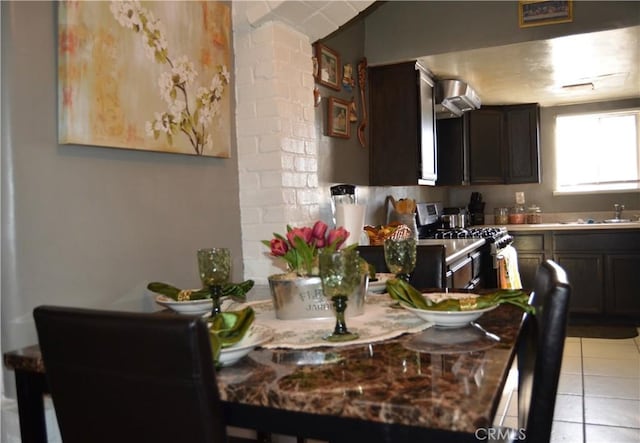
454 97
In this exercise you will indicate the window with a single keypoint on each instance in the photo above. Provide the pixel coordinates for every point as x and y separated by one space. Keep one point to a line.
598 152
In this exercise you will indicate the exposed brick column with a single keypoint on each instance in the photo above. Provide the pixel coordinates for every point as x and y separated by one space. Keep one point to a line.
277 146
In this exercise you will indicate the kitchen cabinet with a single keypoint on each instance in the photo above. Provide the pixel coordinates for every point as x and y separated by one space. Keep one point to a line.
531 253
402 126
602 267
491 145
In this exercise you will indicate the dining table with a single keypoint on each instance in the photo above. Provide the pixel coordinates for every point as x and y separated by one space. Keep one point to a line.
423 383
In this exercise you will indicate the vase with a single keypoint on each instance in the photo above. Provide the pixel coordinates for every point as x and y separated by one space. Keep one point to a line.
296 298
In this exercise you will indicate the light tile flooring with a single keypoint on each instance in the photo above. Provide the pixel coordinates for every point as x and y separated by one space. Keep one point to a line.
598 397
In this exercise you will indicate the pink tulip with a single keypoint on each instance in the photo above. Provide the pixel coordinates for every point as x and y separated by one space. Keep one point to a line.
278 247
304 233
321 243
319 230
337 236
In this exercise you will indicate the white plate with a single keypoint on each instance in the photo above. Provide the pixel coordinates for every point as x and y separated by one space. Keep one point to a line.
450 319
190 307
380 286
256 336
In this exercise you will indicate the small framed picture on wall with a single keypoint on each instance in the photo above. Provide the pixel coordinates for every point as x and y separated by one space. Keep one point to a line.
537 13
338 118
329 69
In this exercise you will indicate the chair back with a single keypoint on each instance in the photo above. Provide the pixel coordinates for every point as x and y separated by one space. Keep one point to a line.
129 377
430 268
540 348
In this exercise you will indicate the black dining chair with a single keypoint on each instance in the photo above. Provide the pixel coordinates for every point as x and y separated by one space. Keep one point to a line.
430 270
539 353
130 377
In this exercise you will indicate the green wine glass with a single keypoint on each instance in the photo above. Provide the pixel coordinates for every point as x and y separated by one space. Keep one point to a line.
400 256
340 274
214 265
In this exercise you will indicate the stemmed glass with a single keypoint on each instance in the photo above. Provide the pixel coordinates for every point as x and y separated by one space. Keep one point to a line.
214 265
400 256
340 275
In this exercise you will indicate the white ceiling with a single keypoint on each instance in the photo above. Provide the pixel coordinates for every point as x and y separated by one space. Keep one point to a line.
519 73
537 71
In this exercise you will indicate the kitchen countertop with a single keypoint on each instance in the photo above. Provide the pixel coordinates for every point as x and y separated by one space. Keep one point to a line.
571 226
455 249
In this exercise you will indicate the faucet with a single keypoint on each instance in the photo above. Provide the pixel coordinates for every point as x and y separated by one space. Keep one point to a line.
617 209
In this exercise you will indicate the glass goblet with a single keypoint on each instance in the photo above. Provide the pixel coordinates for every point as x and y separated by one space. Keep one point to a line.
400 256
340 274
214 265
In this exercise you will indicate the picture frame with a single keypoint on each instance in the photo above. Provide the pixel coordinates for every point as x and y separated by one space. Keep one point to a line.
544 12
329 72
338 124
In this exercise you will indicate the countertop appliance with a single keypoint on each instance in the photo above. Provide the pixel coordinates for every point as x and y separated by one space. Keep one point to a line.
428 218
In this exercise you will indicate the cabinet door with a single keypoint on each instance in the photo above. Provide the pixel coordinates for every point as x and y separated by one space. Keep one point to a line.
521 124
486 151
586 276
623 296
452 140
528 264
394 125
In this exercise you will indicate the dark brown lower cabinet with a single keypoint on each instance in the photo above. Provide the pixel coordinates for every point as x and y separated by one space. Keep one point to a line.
586 274
603 267
623 284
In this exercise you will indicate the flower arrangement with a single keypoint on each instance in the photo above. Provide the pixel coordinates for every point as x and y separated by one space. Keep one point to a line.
301 245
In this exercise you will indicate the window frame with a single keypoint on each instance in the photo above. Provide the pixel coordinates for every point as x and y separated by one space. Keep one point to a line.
596 188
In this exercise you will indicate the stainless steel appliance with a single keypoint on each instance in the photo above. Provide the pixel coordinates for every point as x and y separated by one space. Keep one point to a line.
497 239
428 218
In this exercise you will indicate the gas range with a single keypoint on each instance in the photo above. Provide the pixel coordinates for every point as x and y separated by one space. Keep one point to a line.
497 236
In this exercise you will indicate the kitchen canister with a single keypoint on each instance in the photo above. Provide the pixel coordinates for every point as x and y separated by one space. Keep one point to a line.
517 215
501 216
534 215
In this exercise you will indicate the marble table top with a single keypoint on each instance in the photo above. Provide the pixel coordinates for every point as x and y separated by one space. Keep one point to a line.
449 382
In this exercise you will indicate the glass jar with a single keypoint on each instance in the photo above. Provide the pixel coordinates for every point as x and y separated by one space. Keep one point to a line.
534 215
517 215
501 216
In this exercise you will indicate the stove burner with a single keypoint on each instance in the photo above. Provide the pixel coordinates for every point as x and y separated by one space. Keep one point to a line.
492 234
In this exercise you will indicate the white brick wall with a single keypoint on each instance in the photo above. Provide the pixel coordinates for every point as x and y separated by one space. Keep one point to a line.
277 144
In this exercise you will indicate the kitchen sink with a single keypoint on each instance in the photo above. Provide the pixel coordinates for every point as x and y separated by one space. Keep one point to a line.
617 220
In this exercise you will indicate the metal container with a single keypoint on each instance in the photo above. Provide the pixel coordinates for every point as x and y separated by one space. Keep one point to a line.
302 297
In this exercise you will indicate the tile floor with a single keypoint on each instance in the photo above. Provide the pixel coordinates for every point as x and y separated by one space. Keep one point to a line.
598 397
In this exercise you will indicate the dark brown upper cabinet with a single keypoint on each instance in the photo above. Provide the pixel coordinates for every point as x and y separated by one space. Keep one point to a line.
402 126
491 145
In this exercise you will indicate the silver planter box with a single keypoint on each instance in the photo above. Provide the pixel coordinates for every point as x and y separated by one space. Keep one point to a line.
302 297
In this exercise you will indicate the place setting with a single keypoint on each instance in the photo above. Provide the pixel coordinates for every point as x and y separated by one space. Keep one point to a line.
233 333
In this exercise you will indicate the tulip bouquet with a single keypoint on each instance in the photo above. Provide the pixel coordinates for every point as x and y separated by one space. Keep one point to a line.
300 247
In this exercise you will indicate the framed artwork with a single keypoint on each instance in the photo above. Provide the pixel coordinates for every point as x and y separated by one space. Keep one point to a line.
150 76
338 118
329 69
537 13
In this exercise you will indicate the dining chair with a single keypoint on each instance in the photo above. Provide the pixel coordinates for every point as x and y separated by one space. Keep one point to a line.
539 352
130 377
430 267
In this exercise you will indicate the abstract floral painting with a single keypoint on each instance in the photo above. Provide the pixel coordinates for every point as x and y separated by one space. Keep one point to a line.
146 75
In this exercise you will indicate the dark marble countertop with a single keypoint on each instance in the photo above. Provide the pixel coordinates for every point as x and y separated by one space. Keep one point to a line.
446 382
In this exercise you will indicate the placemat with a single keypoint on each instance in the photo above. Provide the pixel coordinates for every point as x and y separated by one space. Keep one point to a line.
379 322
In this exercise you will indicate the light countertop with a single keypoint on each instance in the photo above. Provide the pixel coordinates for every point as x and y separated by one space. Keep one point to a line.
572 226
